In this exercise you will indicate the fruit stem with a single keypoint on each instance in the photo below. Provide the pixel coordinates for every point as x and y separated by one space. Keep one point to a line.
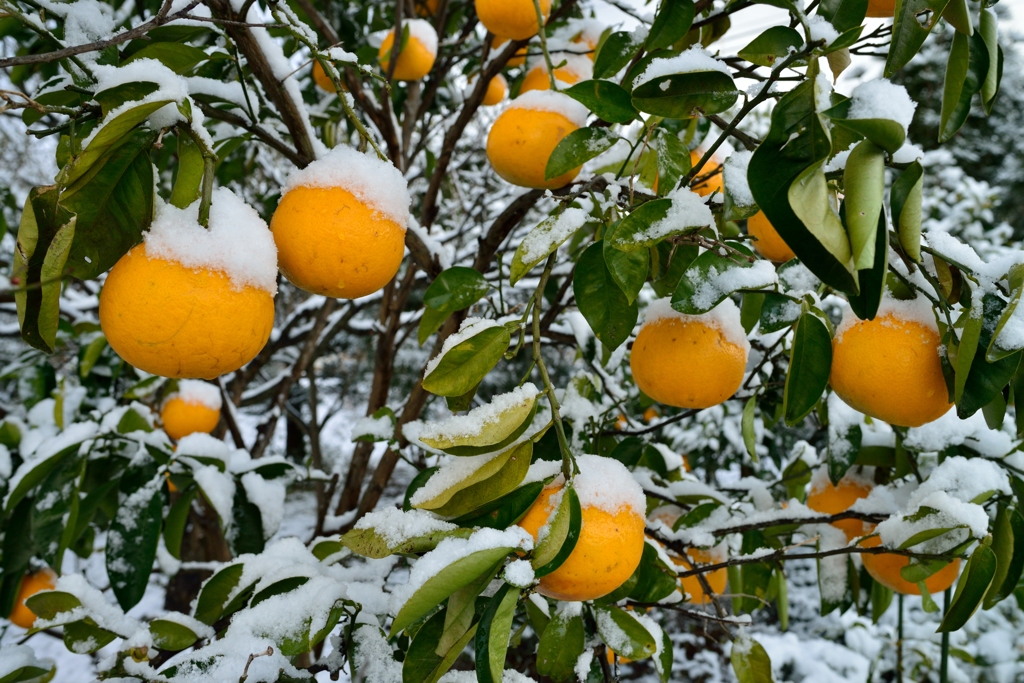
944 658
209 168
569 467
544 44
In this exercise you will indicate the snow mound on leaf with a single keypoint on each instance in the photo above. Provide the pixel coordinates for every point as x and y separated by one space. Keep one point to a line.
373 182
396 526
882 99
553 102
476 420
725 317
236 243
694 59
470 327
197 392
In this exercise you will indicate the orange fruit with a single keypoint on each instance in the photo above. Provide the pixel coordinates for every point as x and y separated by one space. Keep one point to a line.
42 580
768 243
885 569
183 414
518 59
651 414
537 76
321 78
516 19
417 56
342 235
426 8
171 320
588 36
689 361
709 185
889 368
881 8
497 89
831 500
525 134
607 552
691 584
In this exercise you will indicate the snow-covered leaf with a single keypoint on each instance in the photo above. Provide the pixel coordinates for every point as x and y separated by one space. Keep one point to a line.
970 589
486 428
623 633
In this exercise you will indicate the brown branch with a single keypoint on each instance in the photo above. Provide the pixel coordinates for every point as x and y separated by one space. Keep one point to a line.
261 133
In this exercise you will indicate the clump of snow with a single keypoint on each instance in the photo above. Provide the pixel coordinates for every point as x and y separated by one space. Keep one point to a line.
378 428
93 605
688 210
735 172
396 526
965 519
197 392
219 489
374 182
586 30
606 484
820 29
476 420
582 667
554 102
882 99
519 573
374 657
908 153
694 59
268 496
14 657
548 235
236 243
965 479
422 31
469 328
452 472
452 549
725 317
578 66
893 311
715 284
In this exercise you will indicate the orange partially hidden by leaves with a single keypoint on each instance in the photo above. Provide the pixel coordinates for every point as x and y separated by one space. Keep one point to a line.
43 580
537 78
885 569
496 91
181 417
706 186
768 243
171 320
889 368
522 139
691 584
688 361
518 59
607 552
322 80
881 8
830 499
414 61
427 8
516 19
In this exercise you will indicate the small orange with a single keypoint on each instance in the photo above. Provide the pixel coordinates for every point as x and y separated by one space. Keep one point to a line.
418 54
889 368
518 59
768 242
537 76
524 135
885 569
516 19
831 500
320 77
689 361
708 185
183 414
426 8
716 578
497 89
42 580
881 8
651 414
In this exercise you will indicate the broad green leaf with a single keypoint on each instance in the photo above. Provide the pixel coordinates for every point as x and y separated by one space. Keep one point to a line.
843 14
171 636
429 324
905 201
561 644
544 239
421 660
989 34
872 280
1002 546
213 596
1012 566
995 351
503 481
958 15
966 72
750 662
562 535
655 221
131 544
492 635
86 637
970 337
178 57
48 604
810 199
627 268
685 95
489 427
370 543
29 674
502 512
673 159
886 133
668 263
985 379
38 473
810 362
654 580
54 521
623 633
455 289
188 179
600 299
777 312
713 277
463 366
773 43
608 100
578 147
671 23
747 423
864 185
461 612
110 133
909 32
459 573
112 98
970 589
615 53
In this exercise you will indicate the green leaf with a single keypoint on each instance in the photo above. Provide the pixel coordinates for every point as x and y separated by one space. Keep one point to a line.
810 199
178 57
561 644
437 588
905 202
492 635
607 99
958 15
110 134
48 604
505 511
686 95
843 14
654 580
55 513
750 662
777 312
772 44
488 430
970 589
635 231
994 351
171 636
615 53
872 280
188 179
985 379
37 474
421 660
29 674
810 362
578 147
465 364
627 268
668 263
747 423
174 525
966 72
473 497
864 185
112 98
369 543
601 301
909 32
563 533
455 289
886 133
1010 564
131 544
543 240
213 596
673 159
461 612
615 624
430 323
989 34
671 23
704 285
85 637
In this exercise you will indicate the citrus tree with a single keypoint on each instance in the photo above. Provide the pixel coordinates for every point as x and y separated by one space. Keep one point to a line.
623 329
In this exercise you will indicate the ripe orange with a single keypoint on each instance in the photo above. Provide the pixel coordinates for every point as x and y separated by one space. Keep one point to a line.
182 417
518 59
831 500
607 552
716 579
167 319
889 368
43 580
522 139
881 8
768 243
706 187
537 77
516 19
414 61
688 361
651 414
321 78
497 89
426 8
885 569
